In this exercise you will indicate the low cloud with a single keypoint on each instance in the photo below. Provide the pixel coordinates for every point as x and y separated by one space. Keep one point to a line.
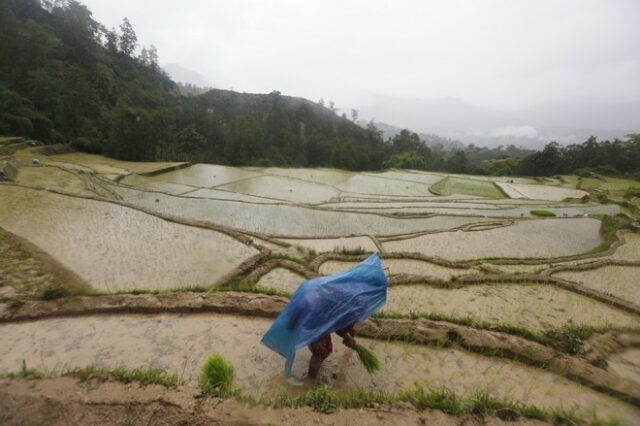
523 131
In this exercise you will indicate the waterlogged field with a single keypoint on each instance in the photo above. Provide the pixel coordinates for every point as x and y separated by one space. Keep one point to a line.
181 343
540 192
281 279
282 188
619 281
346 244
205 175
526 239
402 266
115 248
285 220
531 306
473 255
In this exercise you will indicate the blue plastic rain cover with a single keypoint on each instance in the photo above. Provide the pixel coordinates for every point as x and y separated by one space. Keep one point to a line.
323 305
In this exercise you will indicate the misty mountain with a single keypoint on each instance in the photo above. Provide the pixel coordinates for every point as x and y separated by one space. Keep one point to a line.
531 127
181 74
430 139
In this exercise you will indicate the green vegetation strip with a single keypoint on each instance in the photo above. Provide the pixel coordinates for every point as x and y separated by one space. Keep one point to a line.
568 338
324 400
146 376
543 213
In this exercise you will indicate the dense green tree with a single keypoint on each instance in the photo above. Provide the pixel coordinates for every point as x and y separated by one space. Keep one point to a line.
406 160
128 38
458 163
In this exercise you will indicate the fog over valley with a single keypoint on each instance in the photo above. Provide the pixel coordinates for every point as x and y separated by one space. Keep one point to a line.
488 72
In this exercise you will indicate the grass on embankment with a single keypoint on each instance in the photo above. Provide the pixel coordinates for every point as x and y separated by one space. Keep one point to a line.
609 228
456 185
568 338
217 377
146 376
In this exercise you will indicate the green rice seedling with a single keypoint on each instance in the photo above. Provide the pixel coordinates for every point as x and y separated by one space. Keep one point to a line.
367 358
543 213
216 376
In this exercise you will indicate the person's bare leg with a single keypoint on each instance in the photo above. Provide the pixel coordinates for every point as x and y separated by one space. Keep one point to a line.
314 366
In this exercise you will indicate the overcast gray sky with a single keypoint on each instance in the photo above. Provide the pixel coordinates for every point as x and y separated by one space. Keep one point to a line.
494 53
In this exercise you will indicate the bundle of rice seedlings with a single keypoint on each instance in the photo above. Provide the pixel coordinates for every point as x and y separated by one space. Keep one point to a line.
216 376
367 358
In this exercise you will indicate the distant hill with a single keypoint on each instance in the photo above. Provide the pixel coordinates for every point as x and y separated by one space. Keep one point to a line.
568 123
430 139
184 75
65 78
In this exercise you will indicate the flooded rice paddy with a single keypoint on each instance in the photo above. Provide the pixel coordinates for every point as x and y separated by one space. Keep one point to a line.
286 220
281 279
619 281
283 188
526 239
540 192
335 244
115 248
402 266
181 343
205 175
532 306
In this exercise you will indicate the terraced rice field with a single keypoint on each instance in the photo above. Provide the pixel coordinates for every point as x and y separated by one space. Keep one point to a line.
116 248
285 220
619 281
540 192
134 340
282 188
281 279
478 188
402 266
531 306
335 244
51 178
527 239
482 289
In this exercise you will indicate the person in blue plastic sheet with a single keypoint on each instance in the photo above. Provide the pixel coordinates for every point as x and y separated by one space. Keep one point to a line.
313 308
322 348
326 305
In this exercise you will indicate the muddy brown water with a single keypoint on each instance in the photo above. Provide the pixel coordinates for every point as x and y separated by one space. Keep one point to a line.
181 343
533 306
118 248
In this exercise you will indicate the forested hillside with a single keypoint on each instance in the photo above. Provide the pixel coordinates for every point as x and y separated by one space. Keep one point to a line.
65 78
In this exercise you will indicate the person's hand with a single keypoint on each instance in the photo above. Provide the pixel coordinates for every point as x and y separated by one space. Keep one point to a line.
349 341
